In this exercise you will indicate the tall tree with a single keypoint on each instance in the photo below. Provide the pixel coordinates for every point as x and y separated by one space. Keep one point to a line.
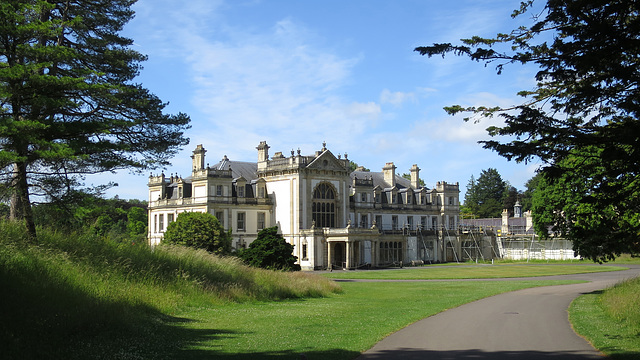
470 206
485 198
581 119
68 103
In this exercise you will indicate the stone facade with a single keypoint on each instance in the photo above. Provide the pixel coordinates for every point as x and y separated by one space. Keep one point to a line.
335 217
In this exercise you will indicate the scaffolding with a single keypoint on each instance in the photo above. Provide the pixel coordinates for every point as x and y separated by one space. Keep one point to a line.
531 247
478 243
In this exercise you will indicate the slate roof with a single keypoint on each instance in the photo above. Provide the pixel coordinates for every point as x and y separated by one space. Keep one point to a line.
248 170
378 179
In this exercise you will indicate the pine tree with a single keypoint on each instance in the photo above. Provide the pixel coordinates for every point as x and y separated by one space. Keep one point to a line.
68 103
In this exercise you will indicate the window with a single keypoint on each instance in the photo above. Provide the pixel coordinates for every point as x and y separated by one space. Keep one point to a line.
323 206
180 192
423 222
261 219
393 199
452 223
408 198
261 192
390 252
363 221
377 199
240 190
240 224
161 222
219 190
304 252
450 200
363 197
220 216
394 222
434 223
410 222
169 219
379 221
155 223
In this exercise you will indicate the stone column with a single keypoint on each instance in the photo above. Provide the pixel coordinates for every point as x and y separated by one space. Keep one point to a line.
348 254
329 264
374 253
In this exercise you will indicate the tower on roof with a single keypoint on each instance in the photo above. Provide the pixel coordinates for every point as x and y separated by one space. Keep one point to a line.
198 158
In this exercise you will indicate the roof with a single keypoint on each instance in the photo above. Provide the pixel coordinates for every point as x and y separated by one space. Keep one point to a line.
247 170
378 179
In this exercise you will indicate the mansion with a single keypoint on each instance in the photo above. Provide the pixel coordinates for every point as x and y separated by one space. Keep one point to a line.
333 215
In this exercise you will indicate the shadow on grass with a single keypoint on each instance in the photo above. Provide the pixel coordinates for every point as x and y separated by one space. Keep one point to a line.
46 316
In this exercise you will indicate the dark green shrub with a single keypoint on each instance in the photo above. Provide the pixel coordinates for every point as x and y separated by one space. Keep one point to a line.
270 251
198 230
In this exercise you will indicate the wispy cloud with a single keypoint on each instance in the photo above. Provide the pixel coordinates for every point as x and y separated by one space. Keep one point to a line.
396 98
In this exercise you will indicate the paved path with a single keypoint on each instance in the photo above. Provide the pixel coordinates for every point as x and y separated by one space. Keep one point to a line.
524 324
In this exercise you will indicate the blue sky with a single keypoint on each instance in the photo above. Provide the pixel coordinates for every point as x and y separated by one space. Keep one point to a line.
296 73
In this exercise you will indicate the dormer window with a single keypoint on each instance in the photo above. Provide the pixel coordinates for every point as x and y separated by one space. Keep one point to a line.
240 191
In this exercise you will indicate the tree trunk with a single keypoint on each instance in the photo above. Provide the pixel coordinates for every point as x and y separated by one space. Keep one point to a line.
20 203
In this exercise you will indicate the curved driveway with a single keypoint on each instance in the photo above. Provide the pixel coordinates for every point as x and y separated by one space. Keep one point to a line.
525 324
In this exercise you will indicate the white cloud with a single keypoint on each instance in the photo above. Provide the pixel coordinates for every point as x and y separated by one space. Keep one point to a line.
396 98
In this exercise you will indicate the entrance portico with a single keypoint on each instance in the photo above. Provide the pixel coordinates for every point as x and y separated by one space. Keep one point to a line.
346 247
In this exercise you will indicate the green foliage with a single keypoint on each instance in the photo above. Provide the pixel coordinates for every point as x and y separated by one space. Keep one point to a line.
200 231
137 221
119 219
602 224
270 251
485 197
68 103
583 105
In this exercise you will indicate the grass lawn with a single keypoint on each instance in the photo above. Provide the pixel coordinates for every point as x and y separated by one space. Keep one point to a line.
472 272
336 327
610 319
80 296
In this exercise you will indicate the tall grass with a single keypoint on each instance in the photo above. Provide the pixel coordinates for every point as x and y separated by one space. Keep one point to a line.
622 302
79 291
610 319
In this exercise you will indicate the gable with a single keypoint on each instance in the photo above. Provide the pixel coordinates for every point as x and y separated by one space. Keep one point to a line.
327 161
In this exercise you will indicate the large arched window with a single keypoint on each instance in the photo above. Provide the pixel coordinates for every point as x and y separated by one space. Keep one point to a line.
323 206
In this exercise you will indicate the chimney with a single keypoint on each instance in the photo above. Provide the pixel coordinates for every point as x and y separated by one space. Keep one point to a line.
415 176
198 158
263 151
389 171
